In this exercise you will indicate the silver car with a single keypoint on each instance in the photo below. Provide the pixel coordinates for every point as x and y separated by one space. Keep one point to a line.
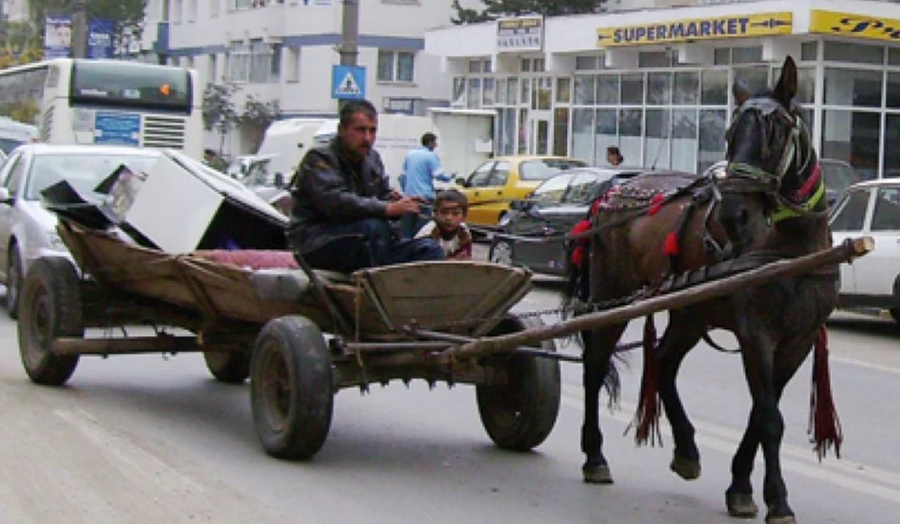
27 230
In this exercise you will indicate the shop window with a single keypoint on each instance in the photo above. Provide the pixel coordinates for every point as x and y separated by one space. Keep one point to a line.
855 53
684 139
560 131
653 59
894 56
608 89
488 94
714 87
473 96
507 131
583 134
656 142
809 51
632 88
585 90
563 90
543 93
746 55
525 94
631 127
586 63
606 133
891 155
538 65
852 87
893 91
687 88
659 89
852 136
711 136
525 65
722 56
806 83
512 91
459 92
500 91
474 66
755 78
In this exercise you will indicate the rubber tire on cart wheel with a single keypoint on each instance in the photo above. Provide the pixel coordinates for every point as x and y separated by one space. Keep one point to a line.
13 282
500 252
291 388
520 414
50 308
230 367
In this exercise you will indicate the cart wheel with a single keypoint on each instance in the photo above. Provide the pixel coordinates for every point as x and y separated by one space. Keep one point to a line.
291 388
232 367
50 307
520 414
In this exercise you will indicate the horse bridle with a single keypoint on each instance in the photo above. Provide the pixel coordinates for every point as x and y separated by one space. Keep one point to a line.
744 178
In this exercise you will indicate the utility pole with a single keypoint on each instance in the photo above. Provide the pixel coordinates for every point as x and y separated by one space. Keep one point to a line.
349 36
79 29
350 33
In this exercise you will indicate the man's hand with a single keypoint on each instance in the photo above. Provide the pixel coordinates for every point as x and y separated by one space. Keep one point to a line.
395 195
399 207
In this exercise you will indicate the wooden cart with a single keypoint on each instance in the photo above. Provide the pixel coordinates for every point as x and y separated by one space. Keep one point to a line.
270 325
438 321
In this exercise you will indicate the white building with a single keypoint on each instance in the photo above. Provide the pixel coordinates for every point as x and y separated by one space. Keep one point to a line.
657 82
284 50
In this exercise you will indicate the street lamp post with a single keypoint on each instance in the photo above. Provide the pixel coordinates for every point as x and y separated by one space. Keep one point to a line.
79 28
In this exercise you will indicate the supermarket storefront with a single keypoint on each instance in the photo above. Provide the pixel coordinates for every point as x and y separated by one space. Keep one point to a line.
658 83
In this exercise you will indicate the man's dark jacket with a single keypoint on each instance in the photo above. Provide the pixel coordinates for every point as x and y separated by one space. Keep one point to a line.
329 190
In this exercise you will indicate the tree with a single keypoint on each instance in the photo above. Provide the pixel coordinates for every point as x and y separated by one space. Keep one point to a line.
127 16
499 8
219 110
256 118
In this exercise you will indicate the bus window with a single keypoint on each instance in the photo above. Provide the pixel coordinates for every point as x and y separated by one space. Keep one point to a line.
131 85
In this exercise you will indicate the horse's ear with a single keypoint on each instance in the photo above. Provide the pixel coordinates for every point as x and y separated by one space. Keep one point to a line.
741 92
787 83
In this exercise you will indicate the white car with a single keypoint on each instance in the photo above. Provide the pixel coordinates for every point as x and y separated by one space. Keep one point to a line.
871 208
27 230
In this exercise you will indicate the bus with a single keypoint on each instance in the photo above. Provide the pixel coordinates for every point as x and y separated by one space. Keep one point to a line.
78 101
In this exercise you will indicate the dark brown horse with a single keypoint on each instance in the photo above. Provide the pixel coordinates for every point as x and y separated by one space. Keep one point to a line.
767 205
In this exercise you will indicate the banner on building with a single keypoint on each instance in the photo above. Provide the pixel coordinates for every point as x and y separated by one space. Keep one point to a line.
100 38
57 36
520 34
737 26
850 24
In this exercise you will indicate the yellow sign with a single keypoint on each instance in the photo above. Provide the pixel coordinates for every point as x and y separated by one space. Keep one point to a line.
849 24
738 26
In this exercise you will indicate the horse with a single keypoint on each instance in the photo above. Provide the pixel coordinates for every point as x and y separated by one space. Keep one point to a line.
657 228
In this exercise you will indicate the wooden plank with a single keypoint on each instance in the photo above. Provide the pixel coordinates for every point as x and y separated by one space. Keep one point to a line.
849 250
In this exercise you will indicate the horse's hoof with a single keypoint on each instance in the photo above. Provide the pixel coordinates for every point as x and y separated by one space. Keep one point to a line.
785 519
684 468
741 505
597 474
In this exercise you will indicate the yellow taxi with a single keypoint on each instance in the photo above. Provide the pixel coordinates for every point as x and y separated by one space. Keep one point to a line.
498 181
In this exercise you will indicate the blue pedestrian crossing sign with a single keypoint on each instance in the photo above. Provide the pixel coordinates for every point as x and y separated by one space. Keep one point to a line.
348 82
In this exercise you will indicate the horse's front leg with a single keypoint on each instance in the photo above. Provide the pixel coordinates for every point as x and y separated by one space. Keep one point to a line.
598 348
766 427
682 334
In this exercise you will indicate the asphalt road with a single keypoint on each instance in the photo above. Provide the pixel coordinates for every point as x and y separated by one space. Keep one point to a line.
148 439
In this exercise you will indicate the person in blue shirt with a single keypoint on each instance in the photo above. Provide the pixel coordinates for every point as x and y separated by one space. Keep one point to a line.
420 167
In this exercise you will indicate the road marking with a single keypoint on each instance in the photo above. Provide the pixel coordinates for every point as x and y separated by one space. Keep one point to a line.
847 474
867 365
133 461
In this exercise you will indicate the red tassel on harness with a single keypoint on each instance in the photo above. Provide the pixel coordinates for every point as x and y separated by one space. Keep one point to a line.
823 419
656 204
577 257
672 246
646 420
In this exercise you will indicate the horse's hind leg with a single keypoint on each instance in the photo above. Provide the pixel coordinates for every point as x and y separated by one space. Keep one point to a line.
598 349
682 334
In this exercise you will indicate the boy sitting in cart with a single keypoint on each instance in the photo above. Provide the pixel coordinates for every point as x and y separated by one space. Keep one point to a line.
447 227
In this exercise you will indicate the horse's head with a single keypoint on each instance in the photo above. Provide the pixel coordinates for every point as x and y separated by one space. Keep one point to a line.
772 167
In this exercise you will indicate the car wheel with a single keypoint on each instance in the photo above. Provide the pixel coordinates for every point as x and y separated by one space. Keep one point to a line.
501 252
13 282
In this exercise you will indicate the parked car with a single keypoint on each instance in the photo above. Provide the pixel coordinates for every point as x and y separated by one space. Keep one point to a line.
552 210
871 208
498 181
27 230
